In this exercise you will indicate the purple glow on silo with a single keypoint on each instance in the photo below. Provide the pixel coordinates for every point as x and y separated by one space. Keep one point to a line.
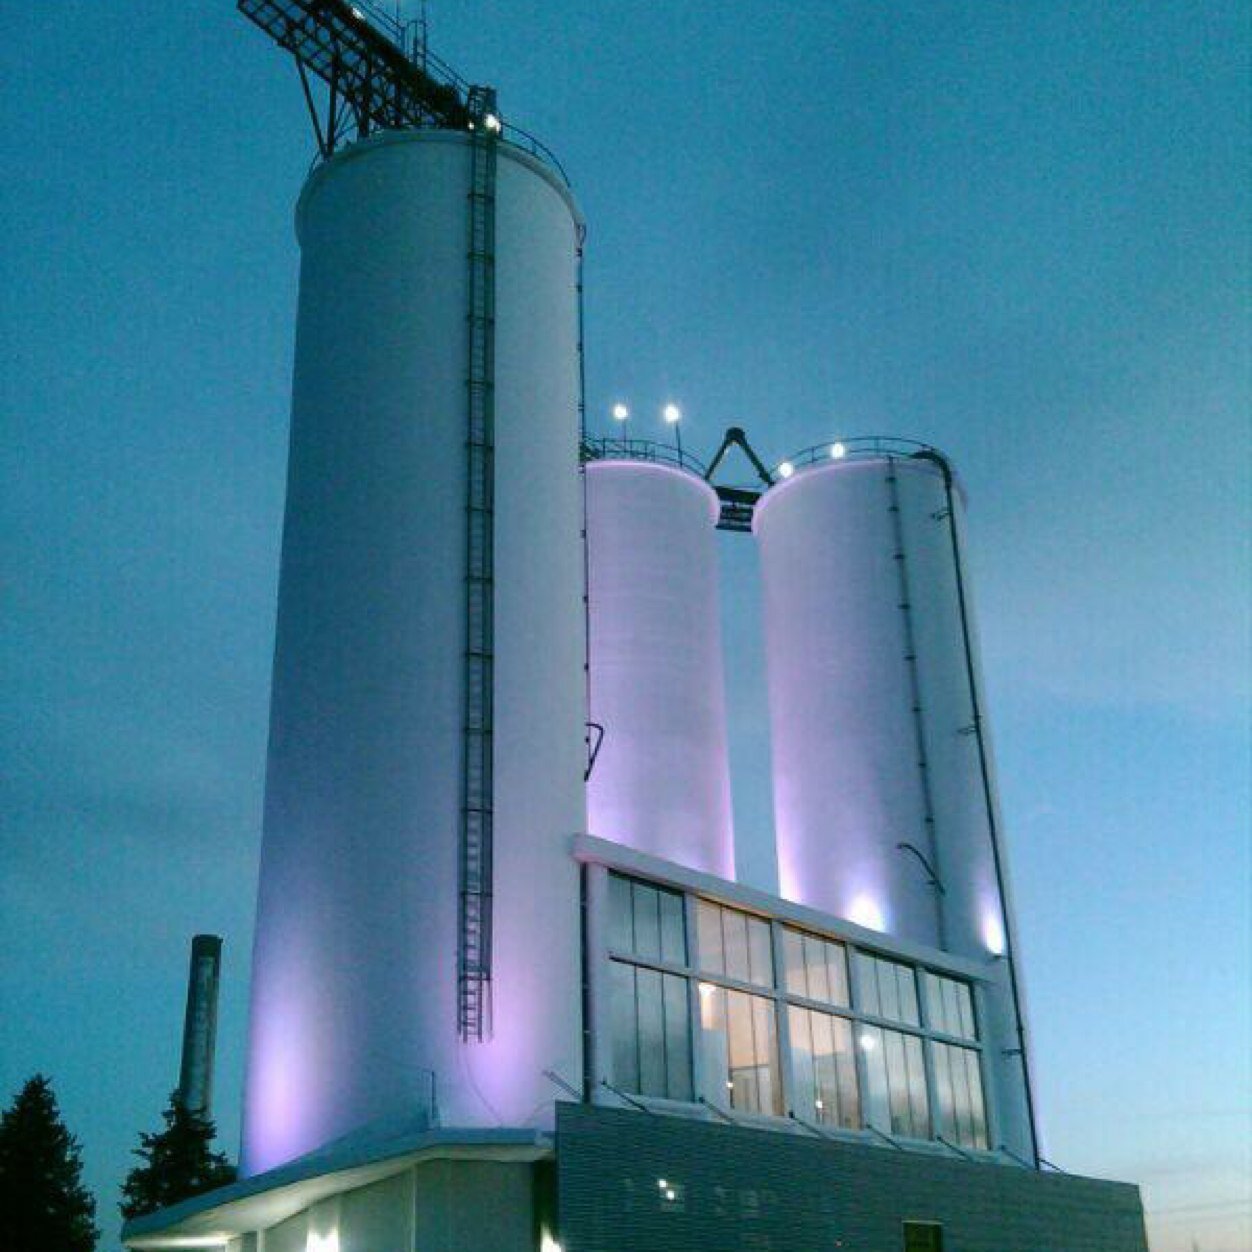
661 782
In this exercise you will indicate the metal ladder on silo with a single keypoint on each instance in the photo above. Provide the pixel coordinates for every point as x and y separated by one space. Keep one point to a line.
475 868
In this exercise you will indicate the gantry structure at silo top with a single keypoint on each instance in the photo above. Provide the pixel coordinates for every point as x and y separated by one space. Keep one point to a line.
379 74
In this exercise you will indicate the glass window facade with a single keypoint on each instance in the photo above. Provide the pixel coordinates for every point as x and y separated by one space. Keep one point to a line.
739 1050
824 1068
949 1006
959 1109
733 944
759 1017
887 989
816 968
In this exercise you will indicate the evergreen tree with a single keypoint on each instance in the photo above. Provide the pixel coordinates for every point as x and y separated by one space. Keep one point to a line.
179 1162
44 1206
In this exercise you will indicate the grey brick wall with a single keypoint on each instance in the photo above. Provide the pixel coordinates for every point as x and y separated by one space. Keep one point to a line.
737 1188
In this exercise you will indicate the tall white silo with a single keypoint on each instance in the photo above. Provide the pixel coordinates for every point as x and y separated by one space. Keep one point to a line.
848 781
661 781
885 804
355 1012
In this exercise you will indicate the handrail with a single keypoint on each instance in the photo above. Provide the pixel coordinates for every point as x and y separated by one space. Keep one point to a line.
855 448
607 448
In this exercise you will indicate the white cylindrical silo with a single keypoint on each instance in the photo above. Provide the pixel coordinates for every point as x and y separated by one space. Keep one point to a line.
661 781
354 1013
848 781
885 803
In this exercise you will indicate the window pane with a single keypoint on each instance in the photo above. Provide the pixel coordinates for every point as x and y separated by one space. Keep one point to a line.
867 985
651 1032
887 989
877 1106
621 923
950 1006
895 1095
829 1089
906 982
739 1050
803 1077
961 1113
919 1109
815 962
837 973
793 962
673 928
647 923
625 1028
677 1038
735 934
760 953
709 937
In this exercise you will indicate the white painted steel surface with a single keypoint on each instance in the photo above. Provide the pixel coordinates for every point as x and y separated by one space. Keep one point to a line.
661 782
848 777
354 970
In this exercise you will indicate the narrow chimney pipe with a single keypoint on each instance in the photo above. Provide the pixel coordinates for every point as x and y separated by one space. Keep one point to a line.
195 1077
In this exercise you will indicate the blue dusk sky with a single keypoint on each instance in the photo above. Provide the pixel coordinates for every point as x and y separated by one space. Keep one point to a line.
1019 231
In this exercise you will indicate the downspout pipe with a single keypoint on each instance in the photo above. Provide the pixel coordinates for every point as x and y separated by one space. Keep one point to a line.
993 825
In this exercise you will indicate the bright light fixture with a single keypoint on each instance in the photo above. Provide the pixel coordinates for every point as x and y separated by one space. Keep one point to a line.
868 1043
865 912
322 1243
838 451
786 469
620 412
818 1104
730 1086
360 17
669 1195
660 1182
548 1244
672 413
493 123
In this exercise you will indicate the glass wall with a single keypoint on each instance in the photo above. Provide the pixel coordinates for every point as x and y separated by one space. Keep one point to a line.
758 1017
651 1019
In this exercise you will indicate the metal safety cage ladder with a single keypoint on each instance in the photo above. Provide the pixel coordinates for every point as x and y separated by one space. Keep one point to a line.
474 939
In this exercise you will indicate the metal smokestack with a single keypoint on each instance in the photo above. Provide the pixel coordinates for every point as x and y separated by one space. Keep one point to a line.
195 1078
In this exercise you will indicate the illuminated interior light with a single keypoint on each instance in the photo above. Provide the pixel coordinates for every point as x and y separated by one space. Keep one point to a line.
786 469
868 1043
548 1244
669 1195
838 451
818 1104
322 1243
660 1182
730 1085
620 412
672 413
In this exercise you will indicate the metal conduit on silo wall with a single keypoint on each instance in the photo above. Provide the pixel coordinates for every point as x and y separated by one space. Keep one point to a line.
885 804
354 1013
661 781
